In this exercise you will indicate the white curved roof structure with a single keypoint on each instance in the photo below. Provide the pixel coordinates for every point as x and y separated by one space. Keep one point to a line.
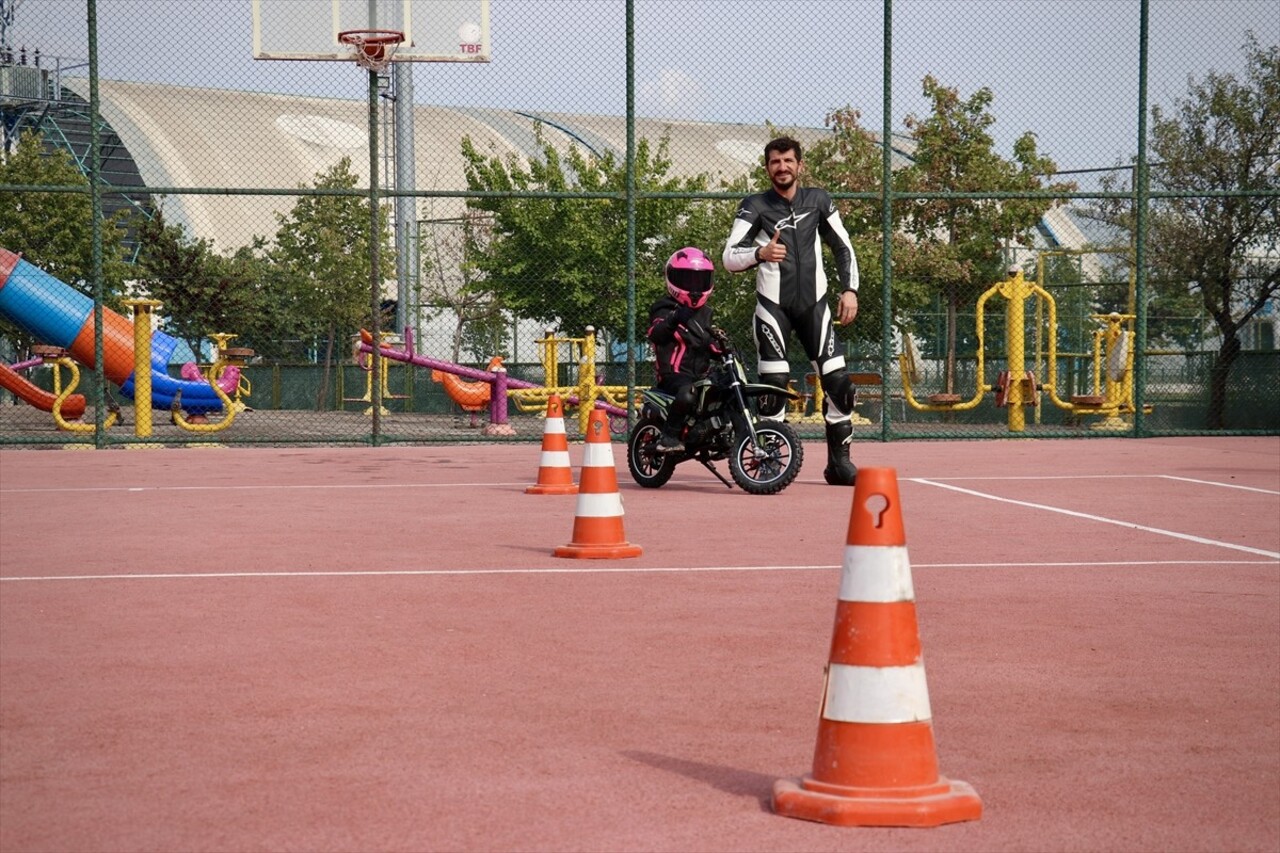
246 140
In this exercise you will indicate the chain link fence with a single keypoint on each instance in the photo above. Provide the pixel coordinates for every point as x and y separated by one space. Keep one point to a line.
1065 213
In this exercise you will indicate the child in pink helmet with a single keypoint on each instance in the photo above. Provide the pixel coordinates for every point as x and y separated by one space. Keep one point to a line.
681 333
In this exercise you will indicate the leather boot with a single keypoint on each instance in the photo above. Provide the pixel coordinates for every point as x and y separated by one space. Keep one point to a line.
839 471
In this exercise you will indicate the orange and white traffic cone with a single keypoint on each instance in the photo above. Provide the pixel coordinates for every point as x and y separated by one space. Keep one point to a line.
555 476
875 763
597 527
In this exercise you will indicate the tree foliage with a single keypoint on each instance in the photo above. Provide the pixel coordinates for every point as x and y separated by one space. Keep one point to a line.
960 242
564 260
54 230
1210 240
321 264
849 161
201 291
1225 135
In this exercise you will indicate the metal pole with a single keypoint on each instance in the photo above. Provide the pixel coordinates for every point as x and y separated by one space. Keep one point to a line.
1015 293
142 312
406 246
1141 189
631 210
886 221
375 284
95 231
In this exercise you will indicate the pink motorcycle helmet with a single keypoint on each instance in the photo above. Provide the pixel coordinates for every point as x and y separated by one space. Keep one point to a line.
689 274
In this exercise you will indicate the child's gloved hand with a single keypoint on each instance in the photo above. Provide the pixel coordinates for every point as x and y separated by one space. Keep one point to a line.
683 313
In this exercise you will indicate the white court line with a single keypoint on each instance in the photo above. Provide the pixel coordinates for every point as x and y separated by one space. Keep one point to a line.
1223 485
1100 477
1176 535
303 487
522 484
1049 477
253 488
629 570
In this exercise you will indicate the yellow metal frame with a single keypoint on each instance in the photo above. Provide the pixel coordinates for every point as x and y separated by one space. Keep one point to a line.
143 309
1012 288
1113 340
583 351
1112 373
228 408
231 357
61 393
384 340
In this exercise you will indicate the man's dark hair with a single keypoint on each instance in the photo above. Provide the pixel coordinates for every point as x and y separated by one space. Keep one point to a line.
782 145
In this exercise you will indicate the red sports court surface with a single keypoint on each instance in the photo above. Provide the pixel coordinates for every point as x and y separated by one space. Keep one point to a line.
373 649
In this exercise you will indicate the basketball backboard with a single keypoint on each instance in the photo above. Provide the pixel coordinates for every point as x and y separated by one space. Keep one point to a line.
434 30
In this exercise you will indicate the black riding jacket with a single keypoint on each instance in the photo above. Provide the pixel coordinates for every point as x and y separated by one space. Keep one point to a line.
682 340
799 281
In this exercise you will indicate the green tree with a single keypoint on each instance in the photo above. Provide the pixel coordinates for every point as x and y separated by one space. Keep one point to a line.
960 242
202 292
563 260
53 230
849 161
321 254
263 324
1222 138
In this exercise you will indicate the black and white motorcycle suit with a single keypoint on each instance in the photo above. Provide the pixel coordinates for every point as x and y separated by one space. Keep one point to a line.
792 296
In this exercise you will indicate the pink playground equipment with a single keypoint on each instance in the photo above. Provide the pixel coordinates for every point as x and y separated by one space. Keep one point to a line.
497 386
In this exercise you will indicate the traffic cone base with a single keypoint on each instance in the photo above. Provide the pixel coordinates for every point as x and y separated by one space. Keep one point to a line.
597 525
555 476
875 763
598 552
945 801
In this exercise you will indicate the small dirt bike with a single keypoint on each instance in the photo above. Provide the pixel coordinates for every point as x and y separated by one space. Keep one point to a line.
764 456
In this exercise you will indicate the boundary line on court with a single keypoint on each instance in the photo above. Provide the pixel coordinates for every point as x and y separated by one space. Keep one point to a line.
255 487
1200 540
1222 485
230 487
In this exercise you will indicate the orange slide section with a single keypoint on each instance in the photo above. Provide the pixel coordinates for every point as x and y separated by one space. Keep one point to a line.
10 380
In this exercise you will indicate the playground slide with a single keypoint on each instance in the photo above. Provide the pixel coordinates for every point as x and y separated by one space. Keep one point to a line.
59 315
11 380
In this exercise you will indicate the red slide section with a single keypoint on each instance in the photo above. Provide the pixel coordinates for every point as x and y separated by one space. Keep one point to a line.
72 407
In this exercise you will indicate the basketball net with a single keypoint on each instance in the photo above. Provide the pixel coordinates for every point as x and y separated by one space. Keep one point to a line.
372 49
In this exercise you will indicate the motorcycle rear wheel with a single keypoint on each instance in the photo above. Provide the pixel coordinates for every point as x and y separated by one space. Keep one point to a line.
648 467
769 464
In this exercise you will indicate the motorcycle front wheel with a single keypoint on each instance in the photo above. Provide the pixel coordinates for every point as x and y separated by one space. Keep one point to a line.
769 464
649 468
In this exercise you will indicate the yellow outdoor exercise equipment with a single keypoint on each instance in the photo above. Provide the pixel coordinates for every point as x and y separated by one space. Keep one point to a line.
1018 387
582 352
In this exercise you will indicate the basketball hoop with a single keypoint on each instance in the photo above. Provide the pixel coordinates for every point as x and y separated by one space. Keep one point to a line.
373 48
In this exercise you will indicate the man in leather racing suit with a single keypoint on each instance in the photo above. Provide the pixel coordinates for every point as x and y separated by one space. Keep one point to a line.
778 232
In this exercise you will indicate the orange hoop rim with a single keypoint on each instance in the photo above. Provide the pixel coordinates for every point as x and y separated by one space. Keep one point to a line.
373 48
